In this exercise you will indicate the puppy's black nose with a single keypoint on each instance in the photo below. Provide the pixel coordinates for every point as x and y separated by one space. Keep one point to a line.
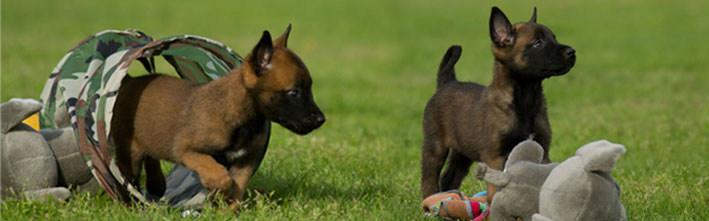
320 119
315 119
569 52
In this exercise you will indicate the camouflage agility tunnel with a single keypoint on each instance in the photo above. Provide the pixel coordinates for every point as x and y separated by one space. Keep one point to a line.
82 89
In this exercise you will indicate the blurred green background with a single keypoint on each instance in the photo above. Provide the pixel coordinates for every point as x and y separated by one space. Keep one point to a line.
640 80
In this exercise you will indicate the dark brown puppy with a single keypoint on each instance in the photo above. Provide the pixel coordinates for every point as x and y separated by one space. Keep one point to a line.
483 124
219 129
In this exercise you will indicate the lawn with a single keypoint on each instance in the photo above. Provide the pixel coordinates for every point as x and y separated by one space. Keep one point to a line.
641 79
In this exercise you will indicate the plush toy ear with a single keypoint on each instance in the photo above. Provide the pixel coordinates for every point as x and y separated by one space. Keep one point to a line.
261 55
600 155
500 28
16 110
534 16
283 40
528 150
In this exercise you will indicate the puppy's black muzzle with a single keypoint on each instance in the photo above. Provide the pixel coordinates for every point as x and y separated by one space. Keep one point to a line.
568 55
306 125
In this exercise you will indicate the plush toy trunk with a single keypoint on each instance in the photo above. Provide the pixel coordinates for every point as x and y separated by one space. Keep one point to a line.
82 89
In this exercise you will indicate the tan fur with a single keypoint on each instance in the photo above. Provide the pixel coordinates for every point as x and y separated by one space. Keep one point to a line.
167 118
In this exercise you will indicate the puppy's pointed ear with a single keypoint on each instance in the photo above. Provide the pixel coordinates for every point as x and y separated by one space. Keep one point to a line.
283 40
261 55
534 16
500 28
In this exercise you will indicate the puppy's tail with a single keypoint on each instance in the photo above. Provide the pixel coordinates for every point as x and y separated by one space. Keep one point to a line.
446 72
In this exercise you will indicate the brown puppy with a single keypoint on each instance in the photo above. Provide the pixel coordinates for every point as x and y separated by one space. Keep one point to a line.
483 124
219 129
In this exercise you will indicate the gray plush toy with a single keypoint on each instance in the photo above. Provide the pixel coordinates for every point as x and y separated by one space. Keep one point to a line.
519 183
39 163
581 187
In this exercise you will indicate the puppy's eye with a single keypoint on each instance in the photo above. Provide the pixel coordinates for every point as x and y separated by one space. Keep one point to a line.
537 44
292 93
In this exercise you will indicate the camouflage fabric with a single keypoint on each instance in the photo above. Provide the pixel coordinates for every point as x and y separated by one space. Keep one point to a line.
82 89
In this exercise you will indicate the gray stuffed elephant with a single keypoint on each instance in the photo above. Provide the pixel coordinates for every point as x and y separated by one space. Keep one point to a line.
581 187
519 183
39 164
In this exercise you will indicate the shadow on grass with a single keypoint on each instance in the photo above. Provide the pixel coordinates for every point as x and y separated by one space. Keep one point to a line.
283 186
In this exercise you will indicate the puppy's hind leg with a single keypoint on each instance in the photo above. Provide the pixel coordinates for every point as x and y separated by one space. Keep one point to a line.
458 167
432 158
154 178
129 160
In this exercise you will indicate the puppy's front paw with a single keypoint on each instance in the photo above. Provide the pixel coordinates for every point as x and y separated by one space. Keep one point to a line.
221 188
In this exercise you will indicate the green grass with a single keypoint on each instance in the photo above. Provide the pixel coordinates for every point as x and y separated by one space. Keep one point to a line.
640 80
